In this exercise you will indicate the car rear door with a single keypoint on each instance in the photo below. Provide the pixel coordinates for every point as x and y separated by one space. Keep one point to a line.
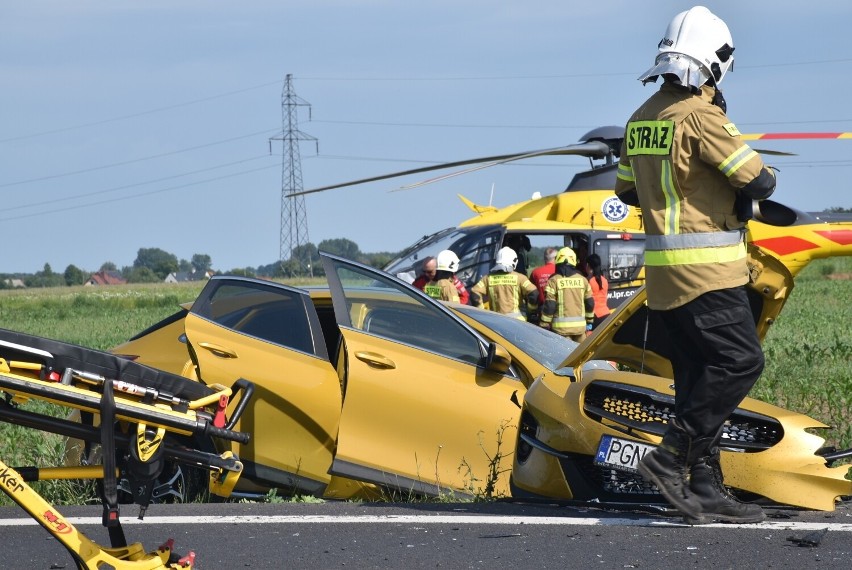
421 411
269 334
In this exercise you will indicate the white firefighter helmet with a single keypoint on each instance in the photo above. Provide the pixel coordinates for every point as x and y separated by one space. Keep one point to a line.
566 255
507 259
448 261
696 47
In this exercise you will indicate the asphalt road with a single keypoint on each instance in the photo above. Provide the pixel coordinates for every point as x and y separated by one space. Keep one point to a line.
445 535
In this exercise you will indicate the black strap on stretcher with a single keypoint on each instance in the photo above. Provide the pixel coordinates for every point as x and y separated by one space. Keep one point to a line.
110 484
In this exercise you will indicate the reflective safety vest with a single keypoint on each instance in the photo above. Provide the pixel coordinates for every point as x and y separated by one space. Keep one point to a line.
570 294
686 162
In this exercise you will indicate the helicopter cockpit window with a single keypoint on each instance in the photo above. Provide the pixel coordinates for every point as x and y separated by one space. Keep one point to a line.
622 259
475 247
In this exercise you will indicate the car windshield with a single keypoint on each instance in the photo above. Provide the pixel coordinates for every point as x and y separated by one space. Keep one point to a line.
543 346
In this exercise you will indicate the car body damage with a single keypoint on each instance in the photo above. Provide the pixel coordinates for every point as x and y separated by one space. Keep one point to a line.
566 426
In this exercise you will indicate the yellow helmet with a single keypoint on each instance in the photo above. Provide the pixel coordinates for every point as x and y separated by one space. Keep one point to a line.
566 255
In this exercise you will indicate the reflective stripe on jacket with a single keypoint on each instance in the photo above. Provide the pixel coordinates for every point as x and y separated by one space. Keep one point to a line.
565 306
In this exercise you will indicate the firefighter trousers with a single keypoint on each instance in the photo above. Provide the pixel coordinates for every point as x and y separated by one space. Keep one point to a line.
716 358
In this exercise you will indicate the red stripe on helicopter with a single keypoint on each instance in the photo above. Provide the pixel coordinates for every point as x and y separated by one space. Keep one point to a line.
785 245
842 237
780 136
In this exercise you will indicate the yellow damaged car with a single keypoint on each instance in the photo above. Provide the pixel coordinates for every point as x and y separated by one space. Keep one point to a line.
368 387
364 385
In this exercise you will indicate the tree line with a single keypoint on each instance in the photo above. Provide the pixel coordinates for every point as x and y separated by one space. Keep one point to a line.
153 265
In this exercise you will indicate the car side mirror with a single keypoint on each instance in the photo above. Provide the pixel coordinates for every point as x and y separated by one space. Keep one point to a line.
498 358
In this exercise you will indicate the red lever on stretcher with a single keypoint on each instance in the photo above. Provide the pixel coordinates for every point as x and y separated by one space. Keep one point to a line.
219 418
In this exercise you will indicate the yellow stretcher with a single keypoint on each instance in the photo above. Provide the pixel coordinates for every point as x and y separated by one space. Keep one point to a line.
146 418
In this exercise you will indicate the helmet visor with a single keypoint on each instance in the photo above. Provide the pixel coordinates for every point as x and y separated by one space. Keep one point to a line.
689 71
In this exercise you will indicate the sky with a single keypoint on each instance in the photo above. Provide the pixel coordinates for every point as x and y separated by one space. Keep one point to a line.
157 124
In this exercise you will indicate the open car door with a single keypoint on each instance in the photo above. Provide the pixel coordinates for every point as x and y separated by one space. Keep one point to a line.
429 405
270 334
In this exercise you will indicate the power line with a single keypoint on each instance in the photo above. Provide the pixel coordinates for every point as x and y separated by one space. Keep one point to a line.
133 160
389 79
126 186
134 115
133 196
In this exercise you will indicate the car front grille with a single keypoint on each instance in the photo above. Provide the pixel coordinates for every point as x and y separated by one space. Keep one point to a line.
637 408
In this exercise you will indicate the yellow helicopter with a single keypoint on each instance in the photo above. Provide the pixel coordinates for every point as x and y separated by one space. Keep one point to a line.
588 217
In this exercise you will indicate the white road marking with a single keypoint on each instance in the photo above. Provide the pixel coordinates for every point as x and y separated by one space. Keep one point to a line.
442 519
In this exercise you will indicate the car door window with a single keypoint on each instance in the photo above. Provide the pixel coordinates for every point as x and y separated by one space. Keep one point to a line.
381 306
270 313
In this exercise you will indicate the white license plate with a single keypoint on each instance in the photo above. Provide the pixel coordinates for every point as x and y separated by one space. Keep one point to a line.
621 454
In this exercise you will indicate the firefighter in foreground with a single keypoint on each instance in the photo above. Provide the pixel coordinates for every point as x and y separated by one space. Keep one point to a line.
442 286
507 291
684 162
568 303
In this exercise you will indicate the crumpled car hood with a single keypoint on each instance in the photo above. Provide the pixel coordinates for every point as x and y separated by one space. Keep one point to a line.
628 336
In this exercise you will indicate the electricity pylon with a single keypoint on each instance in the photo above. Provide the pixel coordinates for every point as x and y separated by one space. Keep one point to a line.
294 219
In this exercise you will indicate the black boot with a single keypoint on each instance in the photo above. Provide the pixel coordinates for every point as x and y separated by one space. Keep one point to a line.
666 467
716 501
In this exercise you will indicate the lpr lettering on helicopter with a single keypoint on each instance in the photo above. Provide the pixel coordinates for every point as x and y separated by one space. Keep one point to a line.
649 137
620 294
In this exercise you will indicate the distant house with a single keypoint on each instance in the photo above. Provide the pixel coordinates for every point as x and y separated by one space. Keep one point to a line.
15 283
186 276
106 278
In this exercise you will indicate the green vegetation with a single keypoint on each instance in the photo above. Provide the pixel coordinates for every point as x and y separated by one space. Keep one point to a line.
808 351
95 317
809 348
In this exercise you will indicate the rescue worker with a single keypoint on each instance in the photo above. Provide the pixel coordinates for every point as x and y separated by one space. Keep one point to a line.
685 163
568 307
442 286
429 267
521 245
427 272
541 274
506 290
600 288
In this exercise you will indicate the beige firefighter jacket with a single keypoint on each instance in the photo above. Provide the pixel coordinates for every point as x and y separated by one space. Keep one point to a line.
686 161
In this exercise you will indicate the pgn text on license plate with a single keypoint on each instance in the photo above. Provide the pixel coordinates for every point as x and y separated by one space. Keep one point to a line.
621 454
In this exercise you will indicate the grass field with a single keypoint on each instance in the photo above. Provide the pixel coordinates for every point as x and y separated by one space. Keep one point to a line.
808 350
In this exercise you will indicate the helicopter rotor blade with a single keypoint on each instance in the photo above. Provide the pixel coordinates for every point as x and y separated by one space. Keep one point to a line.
774 152
592 149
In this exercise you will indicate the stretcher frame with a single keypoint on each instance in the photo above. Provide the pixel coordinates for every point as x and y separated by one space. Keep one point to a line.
139 409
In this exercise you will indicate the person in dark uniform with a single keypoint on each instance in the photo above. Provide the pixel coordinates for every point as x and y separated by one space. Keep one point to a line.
686 165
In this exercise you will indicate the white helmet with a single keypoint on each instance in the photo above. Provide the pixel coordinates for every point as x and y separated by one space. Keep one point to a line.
448 261
507 259
696 47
